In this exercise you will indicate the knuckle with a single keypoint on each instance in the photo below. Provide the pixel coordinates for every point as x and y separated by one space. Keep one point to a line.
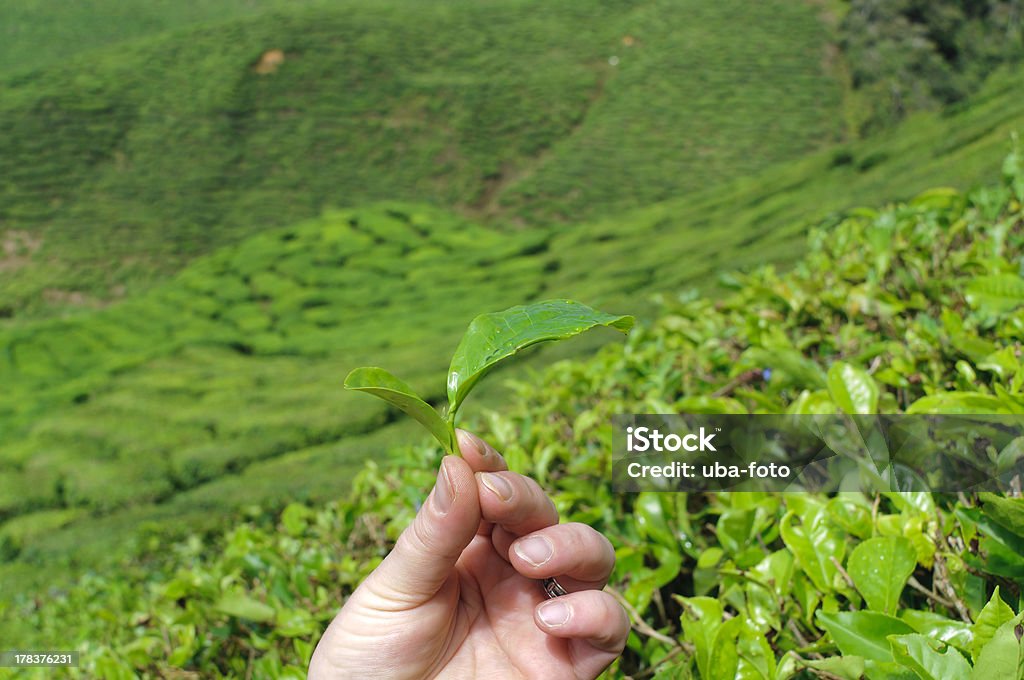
590 545
614 623
422 538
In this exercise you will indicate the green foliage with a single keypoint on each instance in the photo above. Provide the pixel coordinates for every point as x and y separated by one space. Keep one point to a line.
852 389
732 585
492 338
494 109
41 33
489 340
880 568
243 374
907 55
380 383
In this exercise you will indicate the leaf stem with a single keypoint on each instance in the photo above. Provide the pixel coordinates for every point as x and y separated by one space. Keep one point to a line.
453 441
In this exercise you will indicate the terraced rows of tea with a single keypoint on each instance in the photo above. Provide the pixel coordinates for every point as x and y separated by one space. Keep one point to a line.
222 388
125 165
241 357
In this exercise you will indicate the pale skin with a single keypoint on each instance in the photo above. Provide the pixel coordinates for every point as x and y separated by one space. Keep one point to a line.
460 595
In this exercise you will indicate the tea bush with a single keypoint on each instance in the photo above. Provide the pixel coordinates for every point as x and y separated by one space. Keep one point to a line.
919 303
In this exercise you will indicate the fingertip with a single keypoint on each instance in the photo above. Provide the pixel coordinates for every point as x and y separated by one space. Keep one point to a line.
553 614
592 617
469 443
480 455
458 474
455 483
444 493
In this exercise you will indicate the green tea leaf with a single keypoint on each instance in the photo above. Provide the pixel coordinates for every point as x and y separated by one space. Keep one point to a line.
1011 454
650 519
1009 512
852 389
1001 549
701 621
887 670
499 335
1001 657
863 633
939 627
995 293
953 403
295 518
844 667
756 656
991 619
295 623
880 568
930 659
813 544
725 659
790 363
853 517
380 383
244 607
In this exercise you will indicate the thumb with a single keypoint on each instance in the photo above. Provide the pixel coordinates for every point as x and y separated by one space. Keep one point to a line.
426 552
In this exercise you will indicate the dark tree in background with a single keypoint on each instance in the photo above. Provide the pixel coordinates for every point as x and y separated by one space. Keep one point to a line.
907 55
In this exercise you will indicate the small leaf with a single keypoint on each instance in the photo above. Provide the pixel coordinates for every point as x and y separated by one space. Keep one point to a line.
954 403
650 519
295 623
992 617
930 659
1013 170
497 336
814 543
1001 549
244 607
380 383
1004 363
880 568
295 518
785 363
851 515
995 293
1008 512
863 633
845 667
852 389
1011 455
1002 656
887 670
939 627
725 660
701 621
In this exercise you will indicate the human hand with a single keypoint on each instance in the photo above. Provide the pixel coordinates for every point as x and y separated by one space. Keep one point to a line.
460 595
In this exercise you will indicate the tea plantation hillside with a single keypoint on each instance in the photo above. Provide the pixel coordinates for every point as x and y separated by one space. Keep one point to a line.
914 307
221 388
121 166
39 33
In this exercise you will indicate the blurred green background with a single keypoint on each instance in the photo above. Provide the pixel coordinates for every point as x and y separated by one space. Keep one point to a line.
210 212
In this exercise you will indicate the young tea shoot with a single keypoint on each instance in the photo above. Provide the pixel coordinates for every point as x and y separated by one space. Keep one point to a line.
489 340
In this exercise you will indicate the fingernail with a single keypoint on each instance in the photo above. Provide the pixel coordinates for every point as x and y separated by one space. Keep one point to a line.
472 440
444 493
536 550
553 614
485 450
498 485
